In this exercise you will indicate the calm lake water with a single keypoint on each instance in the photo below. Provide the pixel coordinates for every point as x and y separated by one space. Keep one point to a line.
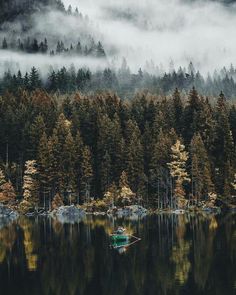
177 255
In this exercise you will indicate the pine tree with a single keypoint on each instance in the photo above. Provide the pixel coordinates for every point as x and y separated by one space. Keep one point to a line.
68 178
62 130
178 111
54 162
19 79
100 50
107 145
224 147
35 46
44 168
34 79
76 11
4 44
178 171
86 174
69 10
117 148
79 146
202 184
36 132
232 118
52 82
159 180
134 157
31 186
106 172
26 81
191 116
79 48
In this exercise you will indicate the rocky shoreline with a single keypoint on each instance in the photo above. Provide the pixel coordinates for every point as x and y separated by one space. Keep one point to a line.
71 214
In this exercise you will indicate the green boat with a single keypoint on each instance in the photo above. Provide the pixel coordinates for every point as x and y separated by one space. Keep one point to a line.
119 237
121 241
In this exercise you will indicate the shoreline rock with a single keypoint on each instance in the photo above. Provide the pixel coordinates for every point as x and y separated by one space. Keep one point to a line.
68 214
7 215
132 211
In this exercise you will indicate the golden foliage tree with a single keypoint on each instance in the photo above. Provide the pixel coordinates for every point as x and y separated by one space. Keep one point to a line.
178 171
30 187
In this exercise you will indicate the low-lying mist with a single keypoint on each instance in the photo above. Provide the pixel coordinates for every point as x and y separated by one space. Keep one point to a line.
14 61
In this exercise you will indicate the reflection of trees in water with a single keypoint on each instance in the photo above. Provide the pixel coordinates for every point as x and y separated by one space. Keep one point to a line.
30 242
203 238
181 251
76 259
7 240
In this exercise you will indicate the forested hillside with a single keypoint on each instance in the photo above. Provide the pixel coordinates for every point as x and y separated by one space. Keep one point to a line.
11 9
25 30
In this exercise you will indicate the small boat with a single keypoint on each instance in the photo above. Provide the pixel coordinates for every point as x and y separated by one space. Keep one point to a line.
119 235
121 241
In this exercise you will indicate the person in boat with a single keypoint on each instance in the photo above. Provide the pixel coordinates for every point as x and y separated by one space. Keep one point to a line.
120 230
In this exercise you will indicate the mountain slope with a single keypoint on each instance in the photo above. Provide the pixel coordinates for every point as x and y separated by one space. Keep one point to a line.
12 9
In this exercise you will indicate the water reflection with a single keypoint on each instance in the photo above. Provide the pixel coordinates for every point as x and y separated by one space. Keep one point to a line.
178 254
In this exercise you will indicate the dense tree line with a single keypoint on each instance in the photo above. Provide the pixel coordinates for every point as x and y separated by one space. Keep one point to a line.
121 81
34 46
81 145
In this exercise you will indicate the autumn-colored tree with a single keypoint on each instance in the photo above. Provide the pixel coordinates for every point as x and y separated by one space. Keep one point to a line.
7 192
30 186
178 171
57 202
125 195
111 195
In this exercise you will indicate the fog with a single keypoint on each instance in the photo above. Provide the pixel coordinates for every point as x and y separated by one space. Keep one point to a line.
200 31
14 61
140 30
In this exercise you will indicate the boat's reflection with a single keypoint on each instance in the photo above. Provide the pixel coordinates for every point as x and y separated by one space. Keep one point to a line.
122 246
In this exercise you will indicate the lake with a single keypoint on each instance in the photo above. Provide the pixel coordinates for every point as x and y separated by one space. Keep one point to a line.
178 254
